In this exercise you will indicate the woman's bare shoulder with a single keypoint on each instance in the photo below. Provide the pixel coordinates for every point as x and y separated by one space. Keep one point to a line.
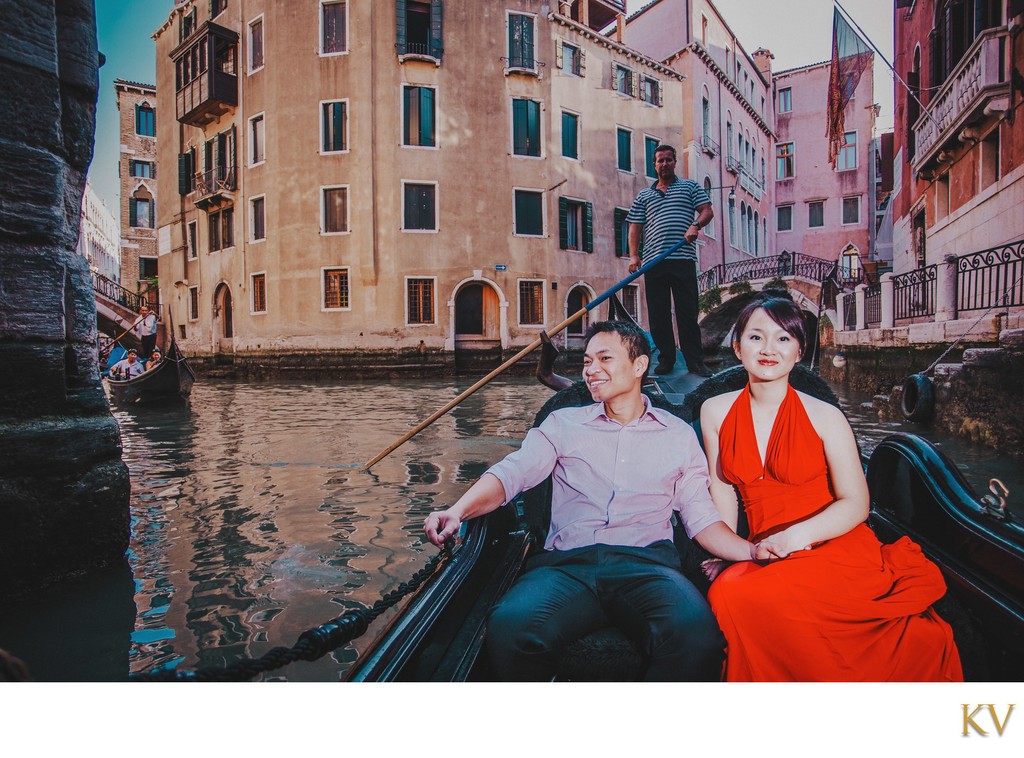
715 408
823 415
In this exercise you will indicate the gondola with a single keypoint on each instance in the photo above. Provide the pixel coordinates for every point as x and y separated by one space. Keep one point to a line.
169 382
915 491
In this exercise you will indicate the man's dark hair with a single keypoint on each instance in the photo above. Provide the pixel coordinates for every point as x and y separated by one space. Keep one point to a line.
663 148
632 336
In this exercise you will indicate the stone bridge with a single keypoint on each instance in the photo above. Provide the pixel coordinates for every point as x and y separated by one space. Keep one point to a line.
117 311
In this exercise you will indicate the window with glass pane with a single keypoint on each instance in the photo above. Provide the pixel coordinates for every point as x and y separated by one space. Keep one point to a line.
630 300
334 35
526 127
217 7
256 44
649 90
847 153
420 294
785 100
623 80
227 227
335 288
520 41
570 135
259 224
624 151
419 116
140 212
256 139
650 145
259 293
575 225
143 169
851 210
335 126
816 213
529 213
214 231
785 167
420 207
784 218
572 59
417 27
145 121
531 303
709 230
335 209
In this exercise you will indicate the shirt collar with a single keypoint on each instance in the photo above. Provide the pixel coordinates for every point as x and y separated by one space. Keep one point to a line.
671 184
596 412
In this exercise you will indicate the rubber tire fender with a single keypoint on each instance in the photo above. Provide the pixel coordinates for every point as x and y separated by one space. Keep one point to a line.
918 402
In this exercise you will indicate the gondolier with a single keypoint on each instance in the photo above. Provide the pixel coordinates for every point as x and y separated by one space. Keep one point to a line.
147 331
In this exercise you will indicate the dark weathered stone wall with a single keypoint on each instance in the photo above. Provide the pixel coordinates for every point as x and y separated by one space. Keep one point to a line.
63 487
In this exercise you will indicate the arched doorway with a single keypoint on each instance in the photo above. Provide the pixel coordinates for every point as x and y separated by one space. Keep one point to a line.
223 329
477 317
579 297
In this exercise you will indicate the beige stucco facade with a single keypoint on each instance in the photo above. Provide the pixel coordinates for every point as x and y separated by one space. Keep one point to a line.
269 295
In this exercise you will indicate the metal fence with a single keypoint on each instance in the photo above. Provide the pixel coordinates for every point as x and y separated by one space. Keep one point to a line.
872 306
913 294
785 264
850 312
114 291
990 278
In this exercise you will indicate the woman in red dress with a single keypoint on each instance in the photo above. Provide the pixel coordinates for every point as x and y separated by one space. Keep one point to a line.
825 600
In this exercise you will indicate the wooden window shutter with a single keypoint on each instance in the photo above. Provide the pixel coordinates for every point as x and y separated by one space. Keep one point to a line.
558 54
426 116
184 173
634 83
519 127
133 212
659 93
615 81
436 30
588 227
563 223
583 63
401 28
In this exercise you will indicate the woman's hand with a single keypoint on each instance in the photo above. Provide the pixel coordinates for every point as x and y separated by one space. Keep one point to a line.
781 545
712 567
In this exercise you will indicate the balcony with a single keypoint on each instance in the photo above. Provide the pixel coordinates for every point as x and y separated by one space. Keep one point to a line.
709 146
215 187
976 88
732 165
750 183
206 75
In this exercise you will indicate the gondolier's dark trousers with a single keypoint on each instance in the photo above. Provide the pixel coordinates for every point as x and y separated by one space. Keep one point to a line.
148 343
674 281
566 594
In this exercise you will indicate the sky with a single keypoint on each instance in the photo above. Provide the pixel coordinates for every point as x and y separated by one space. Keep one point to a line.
798 32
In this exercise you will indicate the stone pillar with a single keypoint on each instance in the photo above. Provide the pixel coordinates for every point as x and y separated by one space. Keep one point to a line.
888 303
862 315
840 312
945 289
63 487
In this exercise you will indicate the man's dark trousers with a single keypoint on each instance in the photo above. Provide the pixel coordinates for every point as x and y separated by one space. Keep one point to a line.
566 594
674 280
148 343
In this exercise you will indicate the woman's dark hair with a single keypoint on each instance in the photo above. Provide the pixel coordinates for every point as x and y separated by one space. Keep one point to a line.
632 336
781 309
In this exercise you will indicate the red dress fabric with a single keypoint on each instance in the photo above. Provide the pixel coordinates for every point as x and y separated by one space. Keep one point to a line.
851 608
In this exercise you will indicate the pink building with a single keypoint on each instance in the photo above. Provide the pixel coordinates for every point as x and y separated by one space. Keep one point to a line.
819 210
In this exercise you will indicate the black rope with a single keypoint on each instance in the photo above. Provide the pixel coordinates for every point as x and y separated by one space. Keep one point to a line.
312 644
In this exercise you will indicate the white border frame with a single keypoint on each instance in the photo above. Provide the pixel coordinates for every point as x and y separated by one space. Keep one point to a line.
842 210
401 117
323 210
249 70
320 28
582 223
543 214
542 137
192 240
792 218
780 91
856 153
250 140
632 158
579 134
191 289
252 294
544 303
320 121
793 175
405 301
809 203
251 226
437 206
323 288
509 69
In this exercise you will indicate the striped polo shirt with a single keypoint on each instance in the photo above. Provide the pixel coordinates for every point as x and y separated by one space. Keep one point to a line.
666 217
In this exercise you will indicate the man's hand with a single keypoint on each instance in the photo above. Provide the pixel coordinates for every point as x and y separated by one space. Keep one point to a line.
440 526
780 545
692 233
634 262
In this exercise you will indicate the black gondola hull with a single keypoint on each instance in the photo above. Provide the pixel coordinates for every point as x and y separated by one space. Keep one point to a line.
169 382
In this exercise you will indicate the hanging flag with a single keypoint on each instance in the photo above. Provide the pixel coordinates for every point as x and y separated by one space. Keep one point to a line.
851 57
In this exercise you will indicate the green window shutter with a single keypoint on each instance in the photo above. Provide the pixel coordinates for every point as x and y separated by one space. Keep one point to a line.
436 29
138 124
184 173
401 34
624 157
520 139
426 116
563 223
533 127
621 232
133 212
529 214
588 227
570 140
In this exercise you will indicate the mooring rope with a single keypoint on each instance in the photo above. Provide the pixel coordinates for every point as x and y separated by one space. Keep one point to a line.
312 644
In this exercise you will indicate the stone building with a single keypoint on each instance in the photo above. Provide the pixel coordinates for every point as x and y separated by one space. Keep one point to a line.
354 178
63 487
99 236
726 118
959 165
136 105
821 211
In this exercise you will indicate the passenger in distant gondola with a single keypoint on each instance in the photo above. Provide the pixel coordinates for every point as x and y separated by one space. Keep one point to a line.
128 367
154 359
619 469
147 331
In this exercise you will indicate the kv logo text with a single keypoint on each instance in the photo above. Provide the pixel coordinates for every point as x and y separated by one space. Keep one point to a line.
976 715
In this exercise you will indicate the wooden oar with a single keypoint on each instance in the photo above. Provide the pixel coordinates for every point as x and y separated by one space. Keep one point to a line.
520 355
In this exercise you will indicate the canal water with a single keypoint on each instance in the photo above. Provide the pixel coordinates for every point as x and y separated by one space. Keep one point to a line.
250 522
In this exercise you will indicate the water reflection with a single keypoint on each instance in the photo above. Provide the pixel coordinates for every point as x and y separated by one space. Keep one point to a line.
251 522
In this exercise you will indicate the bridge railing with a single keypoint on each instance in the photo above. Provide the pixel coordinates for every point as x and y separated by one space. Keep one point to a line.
111 290
784 264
